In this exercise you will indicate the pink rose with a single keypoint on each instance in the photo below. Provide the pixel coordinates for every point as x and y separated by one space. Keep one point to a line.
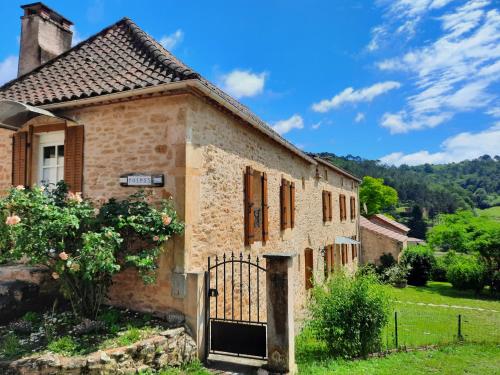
76 197
13 220
156 238
166 219
55 275
20 187
63 256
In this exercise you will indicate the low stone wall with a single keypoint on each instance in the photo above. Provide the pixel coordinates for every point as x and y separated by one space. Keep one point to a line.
24 288
171 348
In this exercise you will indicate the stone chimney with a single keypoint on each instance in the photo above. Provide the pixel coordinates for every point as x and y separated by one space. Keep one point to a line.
45 34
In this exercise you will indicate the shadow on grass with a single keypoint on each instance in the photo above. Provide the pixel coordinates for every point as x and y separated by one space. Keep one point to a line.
445 289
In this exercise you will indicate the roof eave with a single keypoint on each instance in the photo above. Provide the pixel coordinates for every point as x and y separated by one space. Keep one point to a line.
183 85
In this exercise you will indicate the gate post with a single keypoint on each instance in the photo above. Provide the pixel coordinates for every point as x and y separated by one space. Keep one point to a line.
280 313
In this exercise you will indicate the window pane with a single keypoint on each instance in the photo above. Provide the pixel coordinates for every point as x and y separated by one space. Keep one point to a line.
60 155
60 174
49 175
49 155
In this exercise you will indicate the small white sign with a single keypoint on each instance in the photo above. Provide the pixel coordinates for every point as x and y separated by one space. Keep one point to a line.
139 180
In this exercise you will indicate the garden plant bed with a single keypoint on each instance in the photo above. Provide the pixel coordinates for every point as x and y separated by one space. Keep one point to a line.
118 340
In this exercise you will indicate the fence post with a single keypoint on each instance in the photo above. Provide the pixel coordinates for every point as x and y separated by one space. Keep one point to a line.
396 329
460 337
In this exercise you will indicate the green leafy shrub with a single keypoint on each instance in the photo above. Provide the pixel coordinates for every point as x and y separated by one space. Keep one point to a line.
10 346
467 272
349 313
65 345
420 261
397 275
83 245
439 270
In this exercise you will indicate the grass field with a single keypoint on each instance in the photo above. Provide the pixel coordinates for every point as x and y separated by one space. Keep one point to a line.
480 359
429 315
426 316
492 212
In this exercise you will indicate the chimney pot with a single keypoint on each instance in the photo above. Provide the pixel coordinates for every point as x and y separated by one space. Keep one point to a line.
45 34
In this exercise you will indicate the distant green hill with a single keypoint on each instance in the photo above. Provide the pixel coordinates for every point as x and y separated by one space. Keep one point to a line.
437 189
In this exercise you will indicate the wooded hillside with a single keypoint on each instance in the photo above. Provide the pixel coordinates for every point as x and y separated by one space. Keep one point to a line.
435 188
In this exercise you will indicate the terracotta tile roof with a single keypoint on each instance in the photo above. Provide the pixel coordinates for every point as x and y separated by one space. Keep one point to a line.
367 224
391 222
121 57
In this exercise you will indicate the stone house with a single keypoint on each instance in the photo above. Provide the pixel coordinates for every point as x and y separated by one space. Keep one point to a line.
380 235
119 104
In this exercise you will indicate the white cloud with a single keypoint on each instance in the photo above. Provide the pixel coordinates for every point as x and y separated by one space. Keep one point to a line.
77 38
453 73
172 40
8 69
349 95
316 125
495 111
459 147
401 19
241 83
284 126
359 117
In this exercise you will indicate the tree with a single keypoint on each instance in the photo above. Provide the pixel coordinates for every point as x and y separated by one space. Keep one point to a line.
376 196
418 227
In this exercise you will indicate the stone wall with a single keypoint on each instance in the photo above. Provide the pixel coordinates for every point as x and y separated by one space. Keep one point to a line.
173 347
374 245
5 159
144 135
220 149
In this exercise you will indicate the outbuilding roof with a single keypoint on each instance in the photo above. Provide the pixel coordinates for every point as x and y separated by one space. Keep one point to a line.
367 224
391 222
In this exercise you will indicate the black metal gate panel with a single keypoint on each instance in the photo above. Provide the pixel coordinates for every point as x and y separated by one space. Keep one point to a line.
236 322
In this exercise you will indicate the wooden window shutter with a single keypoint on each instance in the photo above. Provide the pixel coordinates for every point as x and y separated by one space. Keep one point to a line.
353 250
19 157
249 218
325 213
283 204
330 206
73 158
292 204
265 209
308 262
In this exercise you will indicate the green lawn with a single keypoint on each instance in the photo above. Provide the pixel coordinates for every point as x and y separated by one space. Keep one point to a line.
455 359
420 324
492 212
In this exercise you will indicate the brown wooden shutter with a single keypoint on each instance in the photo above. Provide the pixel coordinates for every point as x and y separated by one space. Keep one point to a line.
283 200
249 218
292 204
265 209
325 213
19 157
308 262
73 158
330 206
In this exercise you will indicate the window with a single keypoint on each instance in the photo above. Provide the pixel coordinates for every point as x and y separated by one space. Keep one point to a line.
329 259
327 205
353 208
256 207
51 158
344 253
354 251
287 204
308 262
343 213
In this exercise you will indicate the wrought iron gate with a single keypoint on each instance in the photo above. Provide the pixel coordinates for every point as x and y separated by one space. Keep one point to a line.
236 322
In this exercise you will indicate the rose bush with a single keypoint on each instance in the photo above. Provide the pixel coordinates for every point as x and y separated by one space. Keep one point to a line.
83 245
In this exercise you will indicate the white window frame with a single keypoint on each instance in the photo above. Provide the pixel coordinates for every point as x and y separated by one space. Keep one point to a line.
48 140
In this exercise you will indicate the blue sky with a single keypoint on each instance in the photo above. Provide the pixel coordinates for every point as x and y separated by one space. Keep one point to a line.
404 81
